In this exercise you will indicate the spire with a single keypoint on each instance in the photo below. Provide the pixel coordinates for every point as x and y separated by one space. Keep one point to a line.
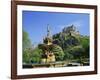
48 38
48 31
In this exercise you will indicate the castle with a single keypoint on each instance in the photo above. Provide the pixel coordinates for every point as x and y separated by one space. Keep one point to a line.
71 30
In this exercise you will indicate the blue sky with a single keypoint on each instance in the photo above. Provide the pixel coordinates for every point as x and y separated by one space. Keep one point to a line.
35 23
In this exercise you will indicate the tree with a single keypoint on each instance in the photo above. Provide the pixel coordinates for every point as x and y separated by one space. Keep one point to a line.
68 55
76 51
26 47
59 54
26 40
36 55
85 44
26 56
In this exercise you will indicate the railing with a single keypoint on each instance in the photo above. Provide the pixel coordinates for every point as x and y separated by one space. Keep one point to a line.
56 64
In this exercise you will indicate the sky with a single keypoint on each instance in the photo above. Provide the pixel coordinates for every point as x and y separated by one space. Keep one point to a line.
35 23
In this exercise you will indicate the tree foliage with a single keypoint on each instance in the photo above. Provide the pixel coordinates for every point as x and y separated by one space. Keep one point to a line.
26 56
36 55
30 55
59 54
26 40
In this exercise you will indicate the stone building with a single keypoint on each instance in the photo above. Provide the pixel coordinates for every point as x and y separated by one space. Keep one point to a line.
71 30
